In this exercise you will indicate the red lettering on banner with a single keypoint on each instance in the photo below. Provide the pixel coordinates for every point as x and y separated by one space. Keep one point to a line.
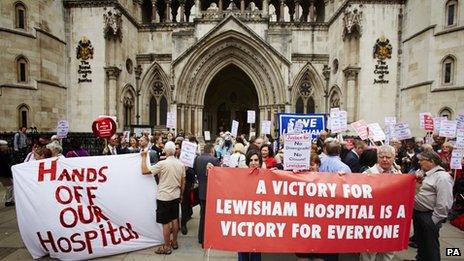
102 175
43 171
85 241
64 176
279 211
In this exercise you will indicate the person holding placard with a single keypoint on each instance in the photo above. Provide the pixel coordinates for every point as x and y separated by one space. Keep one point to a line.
268 156
171 173
445 155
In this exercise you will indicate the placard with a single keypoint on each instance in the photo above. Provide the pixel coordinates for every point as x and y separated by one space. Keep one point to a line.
338 121
390 121
312 123
188 153
375 132
456 162
447 128
207 136
171 121
234 129
251 116
402 131
459 144
460 120
297 148
265 127
140 131
361 129
104 127
428 123
62 129
437 123
126 136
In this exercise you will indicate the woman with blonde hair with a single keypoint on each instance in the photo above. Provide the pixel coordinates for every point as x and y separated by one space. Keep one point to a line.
237 159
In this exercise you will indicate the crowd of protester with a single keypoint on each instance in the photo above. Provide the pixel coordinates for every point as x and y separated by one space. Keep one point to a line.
180 188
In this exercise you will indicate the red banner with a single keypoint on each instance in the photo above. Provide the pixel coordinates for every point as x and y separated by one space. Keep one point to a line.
278 211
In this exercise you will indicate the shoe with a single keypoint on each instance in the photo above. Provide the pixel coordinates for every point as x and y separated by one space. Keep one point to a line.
183 230
163 251
412 244
175 246
9 204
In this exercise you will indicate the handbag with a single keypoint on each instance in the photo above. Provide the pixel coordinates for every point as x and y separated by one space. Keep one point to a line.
195 195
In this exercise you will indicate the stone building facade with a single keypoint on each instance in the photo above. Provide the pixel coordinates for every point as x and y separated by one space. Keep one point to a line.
211 61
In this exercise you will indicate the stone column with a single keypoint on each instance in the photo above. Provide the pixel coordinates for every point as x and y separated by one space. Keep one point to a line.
220 5
242 7
296 14
351 76
112 74
138 73
198 6
265 8
188 118
154 12
167 18
199 121
182 117
158 112
281 13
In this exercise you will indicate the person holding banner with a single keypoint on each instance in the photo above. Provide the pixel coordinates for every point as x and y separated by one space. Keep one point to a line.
253 160
432 204
171 174
385 164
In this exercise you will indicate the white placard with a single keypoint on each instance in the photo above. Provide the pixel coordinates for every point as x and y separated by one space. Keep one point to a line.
140 131
62 129
402 131
375 132
437 123
251 116
459 139
207 136
338 121
252 134
46 189
456 163
297 148
448 129
234 129
460 120
188 153
389 121
171 121
126 136
265 127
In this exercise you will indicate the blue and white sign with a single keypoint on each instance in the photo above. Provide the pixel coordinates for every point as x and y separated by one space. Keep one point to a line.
311 123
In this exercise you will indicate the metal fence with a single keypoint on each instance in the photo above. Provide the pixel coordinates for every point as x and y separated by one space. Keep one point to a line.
88 141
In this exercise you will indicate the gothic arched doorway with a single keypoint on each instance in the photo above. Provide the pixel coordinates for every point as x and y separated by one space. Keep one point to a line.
230 94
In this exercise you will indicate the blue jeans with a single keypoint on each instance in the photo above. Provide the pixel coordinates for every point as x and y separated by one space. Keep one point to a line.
249 256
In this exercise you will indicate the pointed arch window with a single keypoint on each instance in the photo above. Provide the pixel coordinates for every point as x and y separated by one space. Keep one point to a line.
446 112
153 111
23 115
163 111
335 100
22 69
451 12
299 107
310 108
128 105
20 16
448 70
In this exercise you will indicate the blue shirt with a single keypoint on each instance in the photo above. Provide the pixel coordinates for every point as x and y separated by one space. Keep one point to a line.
333 164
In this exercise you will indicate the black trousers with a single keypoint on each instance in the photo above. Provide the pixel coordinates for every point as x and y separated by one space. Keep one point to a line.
201 228
186 205
426 233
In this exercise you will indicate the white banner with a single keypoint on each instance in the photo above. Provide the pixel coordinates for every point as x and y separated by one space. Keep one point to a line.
251 116
448 128
375 132
86 207
297 148
265 127
188 153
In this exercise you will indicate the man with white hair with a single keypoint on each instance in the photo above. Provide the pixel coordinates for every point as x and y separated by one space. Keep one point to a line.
385 164
171 173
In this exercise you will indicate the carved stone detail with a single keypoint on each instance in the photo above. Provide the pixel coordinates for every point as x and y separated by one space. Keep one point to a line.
113 24
352 17
112 72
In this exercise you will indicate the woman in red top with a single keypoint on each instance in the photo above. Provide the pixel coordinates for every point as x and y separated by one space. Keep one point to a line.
445 155
268 156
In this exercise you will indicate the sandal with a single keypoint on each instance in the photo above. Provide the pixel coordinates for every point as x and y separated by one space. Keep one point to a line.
174 245
163 251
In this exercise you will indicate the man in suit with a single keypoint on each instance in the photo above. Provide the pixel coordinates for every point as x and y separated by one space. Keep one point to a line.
200 167
352 157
